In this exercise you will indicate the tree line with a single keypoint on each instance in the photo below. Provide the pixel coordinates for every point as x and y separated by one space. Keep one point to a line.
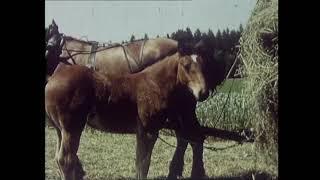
224 43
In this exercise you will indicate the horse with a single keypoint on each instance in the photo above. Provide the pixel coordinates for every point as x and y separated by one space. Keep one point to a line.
114 59
61 50
140 103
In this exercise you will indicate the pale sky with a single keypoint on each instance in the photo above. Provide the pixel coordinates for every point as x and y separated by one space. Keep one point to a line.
105 20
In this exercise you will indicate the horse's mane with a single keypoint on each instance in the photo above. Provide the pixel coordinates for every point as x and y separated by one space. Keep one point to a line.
79 40
155 65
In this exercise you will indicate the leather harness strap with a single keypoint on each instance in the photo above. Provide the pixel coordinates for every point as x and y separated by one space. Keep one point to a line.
92 56
95 46
126 56
141 52
128 52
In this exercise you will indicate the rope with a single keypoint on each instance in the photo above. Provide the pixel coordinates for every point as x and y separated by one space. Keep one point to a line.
211 148
224 105
229 92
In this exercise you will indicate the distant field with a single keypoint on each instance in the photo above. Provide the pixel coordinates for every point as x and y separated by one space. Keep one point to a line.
111 156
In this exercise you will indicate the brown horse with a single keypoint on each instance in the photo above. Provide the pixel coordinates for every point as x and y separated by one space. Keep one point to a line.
113 59
72 51
139 103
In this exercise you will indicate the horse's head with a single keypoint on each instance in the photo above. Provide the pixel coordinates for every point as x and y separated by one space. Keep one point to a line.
214 70
51 34
190 72
53 39
54 45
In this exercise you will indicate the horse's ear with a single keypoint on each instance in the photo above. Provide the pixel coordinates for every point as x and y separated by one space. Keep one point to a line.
204 49
185 48
53 22
199 45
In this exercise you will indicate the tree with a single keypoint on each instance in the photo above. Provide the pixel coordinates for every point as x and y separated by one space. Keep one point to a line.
218 39
204 36
132 38
146 36
223 40
227 31
234 39
240 29
173 35
189 34
210 33
197 35
168 36
228 41
212 39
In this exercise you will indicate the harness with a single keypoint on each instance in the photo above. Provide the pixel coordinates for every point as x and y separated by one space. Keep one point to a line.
138 61
92 57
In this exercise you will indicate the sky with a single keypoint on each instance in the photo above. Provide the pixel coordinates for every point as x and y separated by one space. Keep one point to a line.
111 20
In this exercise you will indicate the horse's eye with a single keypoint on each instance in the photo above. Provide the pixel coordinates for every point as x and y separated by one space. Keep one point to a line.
188 67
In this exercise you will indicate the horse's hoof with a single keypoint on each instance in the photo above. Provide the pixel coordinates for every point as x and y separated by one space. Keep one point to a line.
174 177
199 175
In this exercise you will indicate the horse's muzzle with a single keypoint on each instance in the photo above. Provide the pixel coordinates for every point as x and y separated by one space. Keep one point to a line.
203 95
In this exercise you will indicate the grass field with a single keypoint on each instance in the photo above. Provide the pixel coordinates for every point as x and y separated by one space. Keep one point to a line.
112 156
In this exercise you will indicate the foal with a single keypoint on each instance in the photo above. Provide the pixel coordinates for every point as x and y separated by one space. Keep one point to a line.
139 103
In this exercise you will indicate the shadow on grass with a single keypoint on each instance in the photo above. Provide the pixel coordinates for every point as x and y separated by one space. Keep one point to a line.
245 176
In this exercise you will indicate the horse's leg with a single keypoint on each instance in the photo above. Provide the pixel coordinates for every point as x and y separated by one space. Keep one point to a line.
71 168
197 161
145 144
55 124
191 130
177 163
58 145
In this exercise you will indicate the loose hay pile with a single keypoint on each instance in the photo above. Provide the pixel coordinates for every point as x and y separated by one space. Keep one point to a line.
259 56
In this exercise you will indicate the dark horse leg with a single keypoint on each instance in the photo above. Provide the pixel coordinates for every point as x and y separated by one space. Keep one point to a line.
69 163
177 163
188 132
197 161
145 144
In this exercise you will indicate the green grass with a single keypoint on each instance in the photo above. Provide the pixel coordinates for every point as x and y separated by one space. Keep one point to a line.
111 156
237 86
225 111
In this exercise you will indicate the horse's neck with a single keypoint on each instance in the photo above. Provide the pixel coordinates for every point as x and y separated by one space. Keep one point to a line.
77 45
164 73
73 47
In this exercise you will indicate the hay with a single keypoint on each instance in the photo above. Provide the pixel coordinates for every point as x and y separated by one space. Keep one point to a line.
259 56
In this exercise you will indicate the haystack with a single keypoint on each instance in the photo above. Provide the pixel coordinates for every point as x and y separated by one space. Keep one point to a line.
259 56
